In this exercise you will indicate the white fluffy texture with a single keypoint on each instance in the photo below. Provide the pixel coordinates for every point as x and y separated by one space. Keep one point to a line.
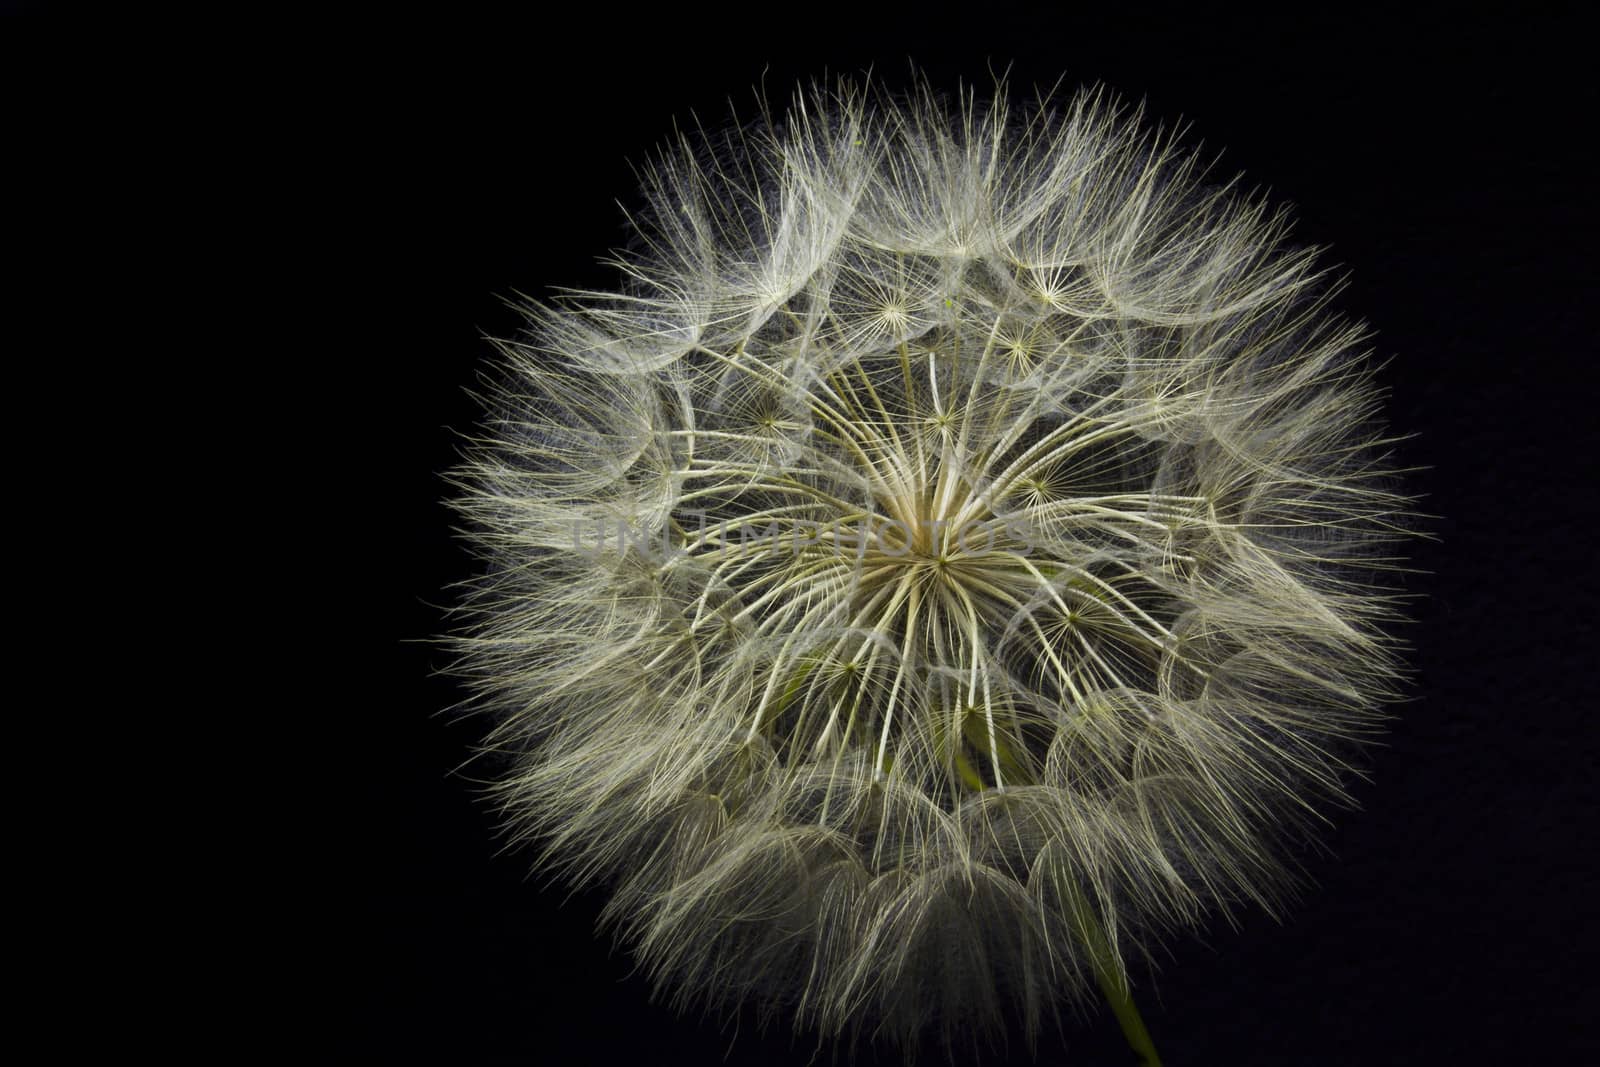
889 786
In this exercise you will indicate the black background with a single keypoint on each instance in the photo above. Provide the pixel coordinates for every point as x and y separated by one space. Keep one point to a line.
398 175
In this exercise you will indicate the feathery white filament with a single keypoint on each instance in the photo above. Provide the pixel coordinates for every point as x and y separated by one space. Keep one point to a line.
963 521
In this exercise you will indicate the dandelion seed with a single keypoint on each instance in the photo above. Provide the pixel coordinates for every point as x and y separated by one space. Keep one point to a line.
1001 518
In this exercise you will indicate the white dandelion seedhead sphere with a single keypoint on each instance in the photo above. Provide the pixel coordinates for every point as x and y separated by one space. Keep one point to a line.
945 564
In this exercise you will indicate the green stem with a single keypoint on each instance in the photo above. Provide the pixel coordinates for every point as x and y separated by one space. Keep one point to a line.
1114 984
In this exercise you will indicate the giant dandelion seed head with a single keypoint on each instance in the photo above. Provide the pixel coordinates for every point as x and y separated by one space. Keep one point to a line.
947 562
